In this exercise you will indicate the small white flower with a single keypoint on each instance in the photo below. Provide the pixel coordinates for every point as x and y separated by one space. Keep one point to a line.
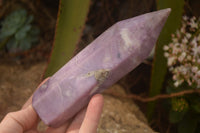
176 84
198 73
198 38
196 51
194 41
193 60
188 35
174 77
182 56
166 54
178 34
182 29
170 61
189 57
185 18
189 81
176 44
171 45
175 51
175 40
193 18
166 47
198 85
194 69
185 40
193 24
183 53
183 70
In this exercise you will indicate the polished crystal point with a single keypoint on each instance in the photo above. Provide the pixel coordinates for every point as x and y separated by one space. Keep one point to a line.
112 55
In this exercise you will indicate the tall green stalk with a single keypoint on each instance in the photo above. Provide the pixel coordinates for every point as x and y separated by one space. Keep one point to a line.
160 64
70 22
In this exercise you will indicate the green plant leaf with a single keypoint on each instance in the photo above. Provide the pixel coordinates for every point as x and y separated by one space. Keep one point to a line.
188 124
70 22
17 33
159 65
30 39
12 23
25 43
29 19
22 32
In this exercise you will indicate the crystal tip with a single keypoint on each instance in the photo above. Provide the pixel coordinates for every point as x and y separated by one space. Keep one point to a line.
167 10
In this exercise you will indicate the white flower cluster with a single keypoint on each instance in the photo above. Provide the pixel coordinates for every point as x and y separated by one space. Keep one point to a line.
183 53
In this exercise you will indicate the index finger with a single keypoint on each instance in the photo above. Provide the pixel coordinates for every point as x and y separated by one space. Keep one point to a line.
20 121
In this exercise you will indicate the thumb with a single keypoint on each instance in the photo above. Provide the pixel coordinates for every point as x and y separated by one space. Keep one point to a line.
20 121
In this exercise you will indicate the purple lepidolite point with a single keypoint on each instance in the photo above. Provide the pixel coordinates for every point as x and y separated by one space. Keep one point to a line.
112 55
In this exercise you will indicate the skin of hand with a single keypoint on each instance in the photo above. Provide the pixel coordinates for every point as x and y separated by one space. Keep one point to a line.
26 119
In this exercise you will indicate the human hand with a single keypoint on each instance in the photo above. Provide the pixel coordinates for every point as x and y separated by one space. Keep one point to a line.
26 120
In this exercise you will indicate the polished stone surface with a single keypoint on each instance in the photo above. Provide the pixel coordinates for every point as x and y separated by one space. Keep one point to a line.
112 55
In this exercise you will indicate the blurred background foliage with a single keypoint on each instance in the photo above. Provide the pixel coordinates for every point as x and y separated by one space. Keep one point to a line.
17 33
31 31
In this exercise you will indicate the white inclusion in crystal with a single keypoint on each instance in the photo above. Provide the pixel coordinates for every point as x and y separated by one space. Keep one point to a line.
100 75
106 63
125 36
65 92
107 58
129 42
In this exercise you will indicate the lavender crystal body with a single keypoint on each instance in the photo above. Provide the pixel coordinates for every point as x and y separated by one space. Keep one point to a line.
112 55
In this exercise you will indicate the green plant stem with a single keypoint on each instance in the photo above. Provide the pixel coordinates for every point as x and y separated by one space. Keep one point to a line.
160 63
70 22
